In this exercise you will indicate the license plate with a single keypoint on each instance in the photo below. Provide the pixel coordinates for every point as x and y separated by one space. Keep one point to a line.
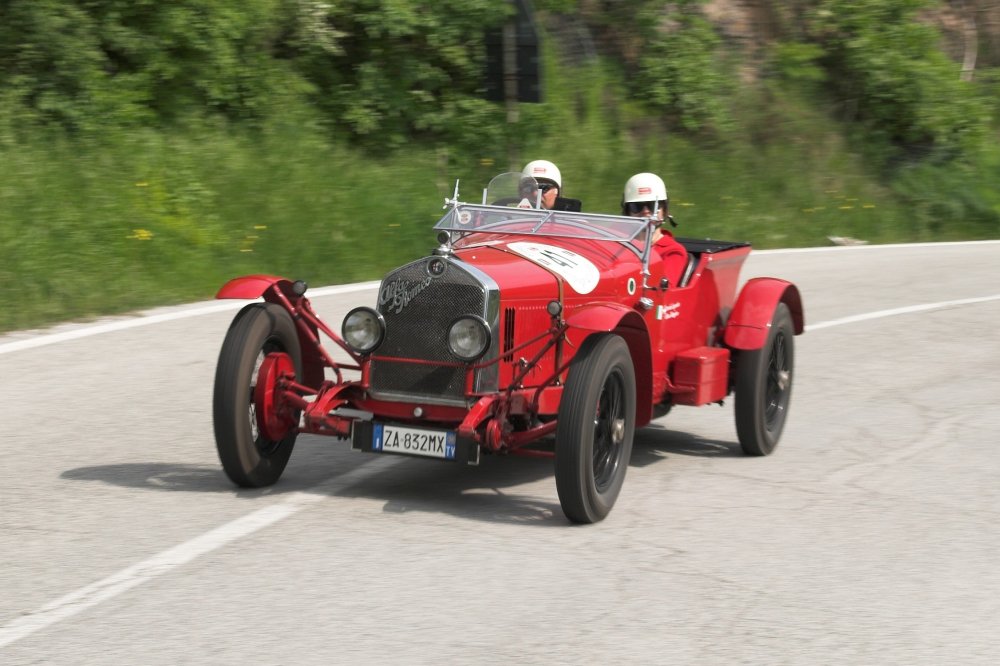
413 441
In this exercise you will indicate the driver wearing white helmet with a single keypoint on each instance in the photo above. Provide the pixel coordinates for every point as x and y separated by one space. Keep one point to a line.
549 180
643 192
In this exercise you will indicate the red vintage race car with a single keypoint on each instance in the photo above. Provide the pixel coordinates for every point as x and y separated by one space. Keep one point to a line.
523 326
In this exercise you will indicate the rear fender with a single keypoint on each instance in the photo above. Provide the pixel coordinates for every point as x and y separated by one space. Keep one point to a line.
259 286
750 320
629 324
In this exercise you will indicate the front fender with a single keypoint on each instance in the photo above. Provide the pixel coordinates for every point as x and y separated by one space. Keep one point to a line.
629 324
750 320
253 286
600 317
256 286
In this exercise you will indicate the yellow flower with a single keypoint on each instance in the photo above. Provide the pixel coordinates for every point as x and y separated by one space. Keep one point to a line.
260 227
141 234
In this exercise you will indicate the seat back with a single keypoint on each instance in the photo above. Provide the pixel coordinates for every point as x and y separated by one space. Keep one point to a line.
692 261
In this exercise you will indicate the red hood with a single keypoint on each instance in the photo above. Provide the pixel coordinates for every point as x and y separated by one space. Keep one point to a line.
528 267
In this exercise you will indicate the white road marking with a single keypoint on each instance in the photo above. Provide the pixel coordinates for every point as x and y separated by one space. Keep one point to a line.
107 588
866 248
93 594
157 318
879 314
86 597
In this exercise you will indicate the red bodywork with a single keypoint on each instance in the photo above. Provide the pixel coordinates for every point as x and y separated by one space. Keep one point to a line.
682 340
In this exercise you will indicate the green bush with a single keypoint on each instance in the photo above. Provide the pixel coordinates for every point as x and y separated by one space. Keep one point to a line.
889 78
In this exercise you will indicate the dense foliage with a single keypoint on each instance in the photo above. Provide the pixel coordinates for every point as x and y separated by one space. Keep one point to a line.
388 72
153 149
886 73
391 70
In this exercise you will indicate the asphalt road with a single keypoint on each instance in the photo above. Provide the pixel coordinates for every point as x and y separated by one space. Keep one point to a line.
870 536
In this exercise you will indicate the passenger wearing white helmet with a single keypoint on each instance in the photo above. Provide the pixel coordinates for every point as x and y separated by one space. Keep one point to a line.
643 192
549 180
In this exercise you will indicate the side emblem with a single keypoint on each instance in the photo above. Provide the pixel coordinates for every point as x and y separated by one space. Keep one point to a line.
671 311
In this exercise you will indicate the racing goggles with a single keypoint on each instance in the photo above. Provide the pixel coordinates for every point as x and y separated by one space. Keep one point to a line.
637 207
545 187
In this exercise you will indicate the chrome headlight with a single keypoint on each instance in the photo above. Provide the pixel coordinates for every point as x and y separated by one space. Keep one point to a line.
468 337
363 329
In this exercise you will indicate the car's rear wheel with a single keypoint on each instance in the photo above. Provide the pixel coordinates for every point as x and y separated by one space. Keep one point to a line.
596 426
250 457
764 387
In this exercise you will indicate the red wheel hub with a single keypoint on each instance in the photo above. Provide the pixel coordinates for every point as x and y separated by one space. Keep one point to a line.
275 417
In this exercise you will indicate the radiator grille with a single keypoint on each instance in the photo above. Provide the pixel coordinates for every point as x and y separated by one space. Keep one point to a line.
508 334
418 310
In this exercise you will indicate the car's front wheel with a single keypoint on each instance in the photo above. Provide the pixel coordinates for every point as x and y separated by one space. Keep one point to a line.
250 456
764 387
596 426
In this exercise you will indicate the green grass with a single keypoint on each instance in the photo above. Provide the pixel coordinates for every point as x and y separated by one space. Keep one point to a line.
133 220
785 177
150 219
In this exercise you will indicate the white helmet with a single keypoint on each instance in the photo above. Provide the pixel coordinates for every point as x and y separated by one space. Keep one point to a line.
644 187
543 169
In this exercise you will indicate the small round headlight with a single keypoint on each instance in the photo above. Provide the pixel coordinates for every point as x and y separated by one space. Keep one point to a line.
468 337
363 329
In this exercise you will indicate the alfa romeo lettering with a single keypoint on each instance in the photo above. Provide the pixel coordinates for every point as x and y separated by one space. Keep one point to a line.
397 294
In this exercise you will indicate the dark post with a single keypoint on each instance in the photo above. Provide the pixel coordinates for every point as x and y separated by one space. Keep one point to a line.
513 65
512 52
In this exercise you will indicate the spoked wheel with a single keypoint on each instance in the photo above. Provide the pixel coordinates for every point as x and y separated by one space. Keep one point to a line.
764 387
254 447
596 426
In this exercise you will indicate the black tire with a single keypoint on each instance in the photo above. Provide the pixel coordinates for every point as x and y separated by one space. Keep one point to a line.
596 426
764 387
248 457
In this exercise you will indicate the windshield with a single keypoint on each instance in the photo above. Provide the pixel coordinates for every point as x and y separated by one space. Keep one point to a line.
513 190
493 219
510 206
